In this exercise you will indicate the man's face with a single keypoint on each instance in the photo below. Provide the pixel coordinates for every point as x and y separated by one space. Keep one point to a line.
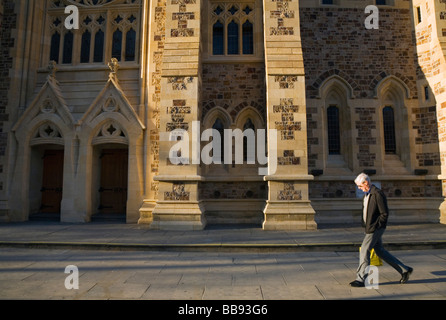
364 187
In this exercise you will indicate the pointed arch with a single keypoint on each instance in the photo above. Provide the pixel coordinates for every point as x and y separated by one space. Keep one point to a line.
336 93
251 113
47 124
48 106
112 102
112 127
392 85
334 74
337 84
213 114
46 132
394 131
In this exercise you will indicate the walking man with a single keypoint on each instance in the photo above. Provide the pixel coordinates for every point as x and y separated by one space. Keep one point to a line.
374 216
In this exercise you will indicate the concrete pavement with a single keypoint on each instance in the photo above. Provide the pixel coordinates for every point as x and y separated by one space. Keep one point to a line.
133 262
153 275
122 236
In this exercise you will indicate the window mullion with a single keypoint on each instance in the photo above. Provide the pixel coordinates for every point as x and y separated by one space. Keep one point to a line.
108 37
225 38
240 38
61 46
77 40
123 44
92 44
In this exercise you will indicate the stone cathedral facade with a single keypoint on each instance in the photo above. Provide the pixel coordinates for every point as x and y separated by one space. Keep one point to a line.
87 100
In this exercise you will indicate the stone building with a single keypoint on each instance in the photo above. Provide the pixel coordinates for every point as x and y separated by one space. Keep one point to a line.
91 89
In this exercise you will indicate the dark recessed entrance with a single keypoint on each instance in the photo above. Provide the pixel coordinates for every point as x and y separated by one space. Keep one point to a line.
112 204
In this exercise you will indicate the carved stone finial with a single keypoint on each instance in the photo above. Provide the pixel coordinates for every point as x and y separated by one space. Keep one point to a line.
114 66
52 69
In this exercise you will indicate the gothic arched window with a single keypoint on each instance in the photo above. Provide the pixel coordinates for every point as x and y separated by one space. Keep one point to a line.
389 130
233 38
130 43
231 28
55 47
117 45
99 47
248 125
102 24
219 126
334 135
85 47
218 38
68 48
248 38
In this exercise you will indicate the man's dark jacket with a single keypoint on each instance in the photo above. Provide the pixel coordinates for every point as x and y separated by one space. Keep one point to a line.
377 211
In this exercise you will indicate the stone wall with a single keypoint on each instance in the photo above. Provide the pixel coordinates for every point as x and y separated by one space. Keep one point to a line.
392 189
336 44
8 20
430 31
335 41
233 87
233 190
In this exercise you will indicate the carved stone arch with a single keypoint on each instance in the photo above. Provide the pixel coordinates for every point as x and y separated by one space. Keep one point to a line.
111 123
335 93
91 3
47 133
337 85
109 131
249 113
46 124
110 128
217 112
392 85
252 105
112 102
43 129
338 75
392 93
48 105
209 106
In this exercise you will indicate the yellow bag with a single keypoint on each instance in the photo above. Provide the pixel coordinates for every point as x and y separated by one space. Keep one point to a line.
374 259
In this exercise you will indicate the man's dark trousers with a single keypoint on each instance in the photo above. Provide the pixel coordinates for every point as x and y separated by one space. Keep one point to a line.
374 241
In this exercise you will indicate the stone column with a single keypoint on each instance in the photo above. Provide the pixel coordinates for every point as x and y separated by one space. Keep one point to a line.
178 206
431 50
438 86
288 206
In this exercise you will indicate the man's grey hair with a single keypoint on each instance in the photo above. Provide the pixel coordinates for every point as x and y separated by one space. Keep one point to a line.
361 178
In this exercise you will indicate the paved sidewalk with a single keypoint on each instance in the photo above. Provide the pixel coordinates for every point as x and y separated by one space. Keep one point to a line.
225 276
219 263
139 237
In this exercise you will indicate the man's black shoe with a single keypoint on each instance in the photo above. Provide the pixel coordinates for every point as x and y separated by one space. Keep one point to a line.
357 284
405 275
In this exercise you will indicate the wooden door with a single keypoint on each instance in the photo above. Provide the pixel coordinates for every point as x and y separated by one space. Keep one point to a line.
52 181
113 187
